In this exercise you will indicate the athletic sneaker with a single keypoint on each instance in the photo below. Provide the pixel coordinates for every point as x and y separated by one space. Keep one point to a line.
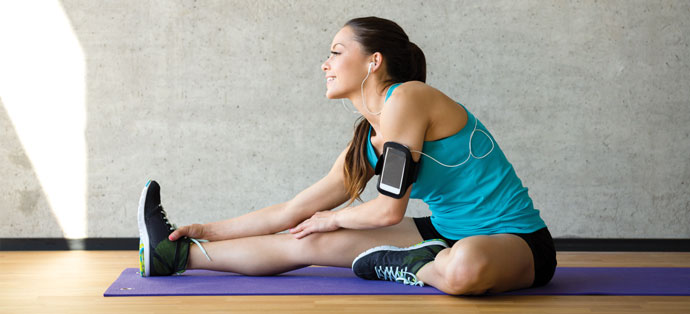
158 256
397 264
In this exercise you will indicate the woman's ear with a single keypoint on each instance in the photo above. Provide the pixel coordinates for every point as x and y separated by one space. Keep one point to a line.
378 60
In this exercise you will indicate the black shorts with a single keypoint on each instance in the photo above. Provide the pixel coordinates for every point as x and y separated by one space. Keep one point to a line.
540 242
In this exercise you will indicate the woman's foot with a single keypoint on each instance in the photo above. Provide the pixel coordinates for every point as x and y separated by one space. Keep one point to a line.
397 264
158 256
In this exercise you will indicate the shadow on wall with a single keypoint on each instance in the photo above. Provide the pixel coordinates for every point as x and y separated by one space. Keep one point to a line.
23 198
43 92
75 72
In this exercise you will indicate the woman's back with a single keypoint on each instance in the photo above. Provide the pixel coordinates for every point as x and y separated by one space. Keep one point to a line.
483 195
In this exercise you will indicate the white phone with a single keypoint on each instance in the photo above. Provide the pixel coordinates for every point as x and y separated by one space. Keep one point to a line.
393 171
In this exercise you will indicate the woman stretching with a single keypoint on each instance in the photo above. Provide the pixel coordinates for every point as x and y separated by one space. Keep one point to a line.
484 234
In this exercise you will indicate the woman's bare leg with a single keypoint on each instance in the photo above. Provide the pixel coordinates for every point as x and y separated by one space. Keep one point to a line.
477 264
473 265
277 253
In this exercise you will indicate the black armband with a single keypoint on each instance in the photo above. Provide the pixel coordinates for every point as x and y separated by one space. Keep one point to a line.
396 169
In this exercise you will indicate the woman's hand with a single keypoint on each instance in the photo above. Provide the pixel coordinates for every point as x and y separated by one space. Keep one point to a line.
195 231
323 221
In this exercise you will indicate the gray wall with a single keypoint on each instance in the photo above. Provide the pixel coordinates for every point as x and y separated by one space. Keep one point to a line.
223 102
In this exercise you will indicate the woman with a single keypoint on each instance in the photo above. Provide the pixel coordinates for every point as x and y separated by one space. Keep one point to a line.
484 234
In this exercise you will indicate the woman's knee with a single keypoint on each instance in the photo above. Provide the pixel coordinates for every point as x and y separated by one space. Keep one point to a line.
468 270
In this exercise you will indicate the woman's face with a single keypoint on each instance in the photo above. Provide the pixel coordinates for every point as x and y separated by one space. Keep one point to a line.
345 67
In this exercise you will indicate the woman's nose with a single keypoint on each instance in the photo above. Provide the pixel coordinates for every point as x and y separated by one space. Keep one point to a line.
325 66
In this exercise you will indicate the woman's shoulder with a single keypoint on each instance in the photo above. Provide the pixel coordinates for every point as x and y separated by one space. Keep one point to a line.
414 87
407 103
418 102
416 91
414 95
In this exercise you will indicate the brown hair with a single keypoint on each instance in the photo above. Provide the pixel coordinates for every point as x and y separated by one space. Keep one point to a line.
404 62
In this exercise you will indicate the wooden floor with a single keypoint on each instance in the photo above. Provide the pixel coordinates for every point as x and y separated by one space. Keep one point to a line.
74 282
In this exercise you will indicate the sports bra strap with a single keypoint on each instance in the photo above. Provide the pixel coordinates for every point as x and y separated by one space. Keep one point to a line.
390 91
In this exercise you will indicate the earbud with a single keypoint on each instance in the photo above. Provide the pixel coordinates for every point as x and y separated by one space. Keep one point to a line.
371 65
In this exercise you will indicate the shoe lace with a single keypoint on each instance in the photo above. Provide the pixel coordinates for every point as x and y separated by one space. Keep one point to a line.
397 274
173 227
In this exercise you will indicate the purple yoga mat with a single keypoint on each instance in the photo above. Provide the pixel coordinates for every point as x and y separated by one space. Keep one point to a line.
341 281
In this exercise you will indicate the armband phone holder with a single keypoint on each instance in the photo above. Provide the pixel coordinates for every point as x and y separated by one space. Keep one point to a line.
396 170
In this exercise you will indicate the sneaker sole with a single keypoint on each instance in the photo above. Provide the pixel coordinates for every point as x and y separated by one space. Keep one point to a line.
395 248
144 247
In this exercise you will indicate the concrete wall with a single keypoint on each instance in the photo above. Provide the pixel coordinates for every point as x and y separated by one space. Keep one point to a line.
223 102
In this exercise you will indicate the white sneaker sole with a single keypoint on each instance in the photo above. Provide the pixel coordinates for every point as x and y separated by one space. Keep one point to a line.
395 248
144 260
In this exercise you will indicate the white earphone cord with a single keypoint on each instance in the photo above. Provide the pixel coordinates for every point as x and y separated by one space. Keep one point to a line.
362 90
432 158
470 149
345 107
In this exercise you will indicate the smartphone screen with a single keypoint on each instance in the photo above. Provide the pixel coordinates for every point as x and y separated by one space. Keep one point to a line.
393 170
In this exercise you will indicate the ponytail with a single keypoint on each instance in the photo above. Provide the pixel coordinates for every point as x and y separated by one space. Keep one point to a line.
417 64
357 169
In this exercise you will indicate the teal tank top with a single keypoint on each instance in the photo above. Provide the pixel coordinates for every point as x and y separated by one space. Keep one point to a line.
481 197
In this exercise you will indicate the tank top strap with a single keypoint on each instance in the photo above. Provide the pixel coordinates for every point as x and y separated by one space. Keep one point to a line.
390 91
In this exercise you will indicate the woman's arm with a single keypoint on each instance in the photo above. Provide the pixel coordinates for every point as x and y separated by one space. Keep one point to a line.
326 194
380 212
